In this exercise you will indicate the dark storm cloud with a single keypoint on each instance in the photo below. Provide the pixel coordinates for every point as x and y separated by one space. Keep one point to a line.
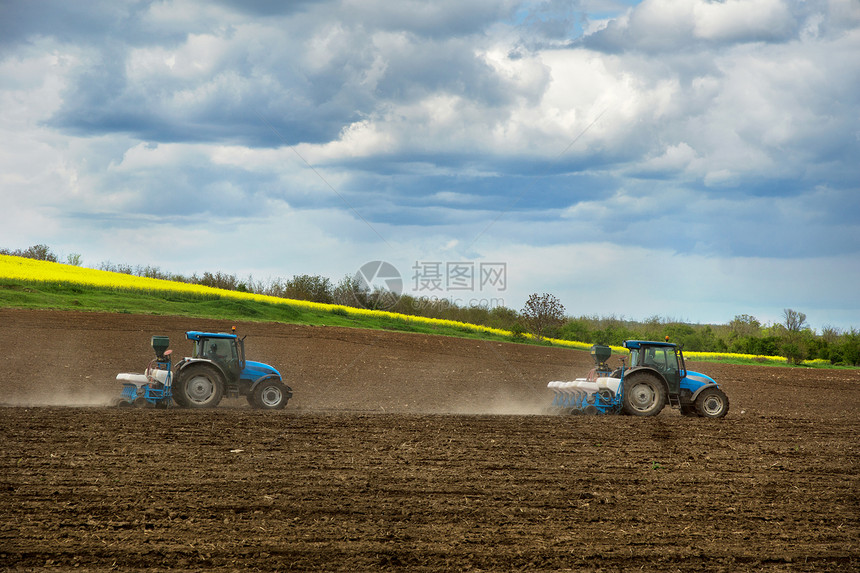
268 7
259 95
89 23
440 19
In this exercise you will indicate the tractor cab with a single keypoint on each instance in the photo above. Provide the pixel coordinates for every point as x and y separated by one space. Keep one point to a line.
664 357
226 350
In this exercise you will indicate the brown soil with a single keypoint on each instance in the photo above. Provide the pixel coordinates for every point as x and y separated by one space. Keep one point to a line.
402 451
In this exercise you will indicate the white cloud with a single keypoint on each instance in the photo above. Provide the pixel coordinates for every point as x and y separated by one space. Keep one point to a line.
676 158
667 25
742 20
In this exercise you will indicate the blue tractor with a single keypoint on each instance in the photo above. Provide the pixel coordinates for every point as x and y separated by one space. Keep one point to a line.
216 368
656 376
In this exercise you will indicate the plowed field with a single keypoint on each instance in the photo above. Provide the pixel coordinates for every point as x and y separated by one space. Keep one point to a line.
402 451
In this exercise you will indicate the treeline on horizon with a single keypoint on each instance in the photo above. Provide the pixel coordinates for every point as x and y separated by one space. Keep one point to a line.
745 334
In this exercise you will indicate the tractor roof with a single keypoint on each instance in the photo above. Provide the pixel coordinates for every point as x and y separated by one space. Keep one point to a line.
633 344
197 335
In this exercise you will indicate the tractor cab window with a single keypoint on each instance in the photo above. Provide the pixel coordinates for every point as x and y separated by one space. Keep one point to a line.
671 359
663 359
216 349
655 358
219 349
634 357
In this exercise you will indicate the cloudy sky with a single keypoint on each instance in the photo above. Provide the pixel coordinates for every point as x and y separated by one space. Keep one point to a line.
690 159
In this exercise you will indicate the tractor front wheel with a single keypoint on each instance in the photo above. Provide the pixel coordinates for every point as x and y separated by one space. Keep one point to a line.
271 395
688 409
644 395
200 386
712 403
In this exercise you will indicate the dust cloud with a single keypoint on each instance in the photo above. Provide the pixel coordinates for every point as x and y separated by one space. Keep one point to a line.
54 394
504 405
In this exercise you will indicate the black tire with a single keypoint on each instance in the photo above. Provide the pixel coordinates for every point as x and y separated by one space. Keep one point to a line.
712 403
177 397
644 395
271 395
199 386
688 409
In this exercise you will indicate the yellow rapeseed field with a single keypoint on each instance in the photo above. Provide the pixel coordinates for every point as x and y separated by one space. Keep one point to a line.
19 268
44 271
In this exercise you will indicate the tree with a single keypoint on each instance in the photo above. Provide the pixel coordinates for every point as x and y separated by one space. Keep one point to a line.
745 326
314 288
793 345
38 252
850 347
502 317
349 292
794 320
542 312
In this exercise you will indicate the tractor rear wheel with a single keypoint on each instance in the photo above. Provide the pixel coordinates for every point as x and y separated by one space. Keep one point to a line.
712 403
178 397
271 395
644 395
200 386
